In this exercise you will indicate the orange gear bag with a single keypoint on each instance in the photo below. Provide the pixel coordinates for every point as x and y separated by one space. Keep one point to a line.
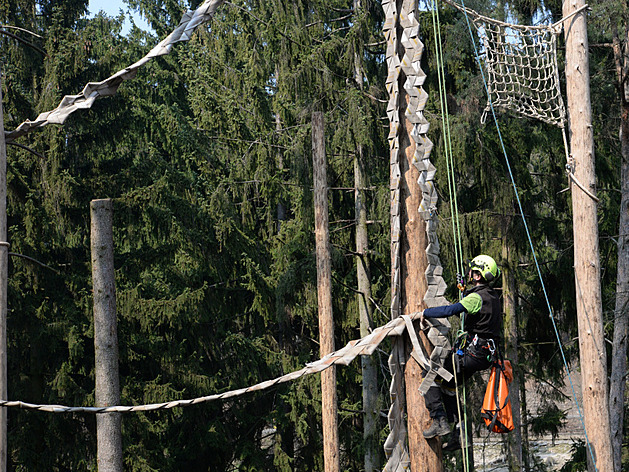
496 411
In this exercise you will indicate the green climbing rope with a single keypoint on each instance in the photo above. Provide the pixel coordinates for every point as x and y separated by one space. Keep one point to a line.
456 229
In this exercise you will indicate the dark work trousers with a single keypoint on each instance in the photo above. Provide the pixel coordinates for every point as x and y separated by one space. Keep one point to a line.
441 402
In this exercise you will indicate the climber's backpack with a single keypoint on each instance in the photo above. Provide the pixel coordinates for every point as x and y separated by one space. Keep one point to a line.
496 409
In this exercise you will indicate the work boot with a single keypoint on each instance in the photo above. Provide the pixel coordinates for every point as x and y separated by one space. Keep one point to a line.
454 443
439 427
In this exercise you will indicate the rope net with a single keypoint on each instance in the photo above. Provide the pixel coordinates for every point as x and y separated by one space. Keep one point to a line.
522 72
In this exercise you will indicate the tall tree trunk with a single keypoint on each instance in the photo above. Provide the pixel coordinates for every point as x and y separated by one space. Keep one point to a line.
526 464
324 291
107 391
621 311
509 289
586 249
369 367
409 239
4 279
425 455
368 364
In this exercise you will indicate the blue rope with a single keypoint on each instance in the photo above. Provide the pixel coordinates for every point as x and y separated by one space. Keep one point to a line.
528 234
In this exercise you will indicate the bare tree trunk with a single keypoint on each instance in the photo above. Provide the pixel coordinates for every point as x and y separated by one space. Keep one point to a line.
409 240
365 308
621 311
425 455
509 288
108 425
324 291
526 448
4 278
586 249
369 367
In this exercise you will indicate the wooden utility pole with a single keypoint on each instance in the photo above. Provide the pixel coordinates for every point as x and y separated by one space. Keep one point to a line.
592 349
409 241
108 425
425 454
324 292
4 280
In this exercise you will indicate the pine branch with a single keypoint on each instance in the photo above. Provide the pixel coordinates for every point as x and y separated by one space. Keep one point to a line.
33 260
329 21
26 148
266 24
23 41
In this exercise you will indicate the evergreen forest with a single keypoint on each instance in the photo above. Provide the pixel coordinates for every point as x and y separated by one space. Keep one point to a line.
207 156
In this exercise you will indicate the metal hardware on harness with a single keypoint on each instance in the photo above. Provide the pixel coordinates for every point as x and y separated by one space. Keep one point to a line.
492 346
460 282
488 344
461 343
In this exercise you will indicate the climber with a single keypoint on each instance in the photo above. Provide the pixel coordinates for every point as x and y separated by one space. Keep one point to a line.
474 350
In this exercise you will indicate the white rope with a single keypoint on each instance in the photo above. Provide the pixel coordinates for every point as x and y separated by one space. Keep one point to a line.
580 185
190 21
363 346
570 168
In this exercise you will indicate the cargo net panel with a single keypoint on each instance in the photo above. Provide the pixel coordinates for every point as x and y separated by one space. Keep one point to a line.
522 72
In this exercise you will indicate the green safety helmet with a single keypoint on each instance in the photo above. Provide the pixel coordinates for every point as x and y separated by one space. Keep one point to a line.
487 267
